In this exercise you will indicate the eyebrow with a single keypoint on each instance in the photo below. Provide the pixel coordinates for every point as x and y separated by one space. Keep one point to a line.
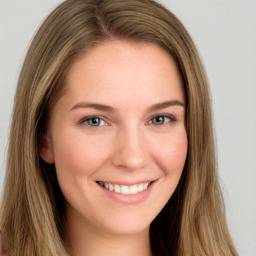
166 104
107 108
96 106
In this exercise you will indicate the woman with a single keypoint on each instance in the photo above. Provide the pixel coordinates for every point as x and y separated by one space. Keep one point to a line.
111 146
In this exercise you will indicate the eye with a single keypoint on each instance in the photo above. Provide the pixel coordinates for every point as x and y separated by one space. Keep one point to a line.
93 121
162 119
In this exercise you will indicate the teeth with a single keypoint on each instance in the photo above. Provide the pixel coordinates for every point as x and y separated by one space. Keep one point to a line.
126 190
141 187
110 187
134 189
117 188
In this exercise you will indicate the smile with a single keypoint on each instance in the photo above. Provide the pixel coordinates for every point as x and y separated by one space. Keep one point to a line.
125 190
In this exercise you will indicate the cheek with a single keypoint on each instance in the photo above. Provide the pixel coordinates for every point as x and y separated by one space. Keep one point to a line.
77 160
171 156
77 155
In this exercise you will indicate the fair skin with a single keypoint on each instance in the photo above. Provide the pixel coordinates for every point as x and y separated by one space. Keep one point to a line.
120 125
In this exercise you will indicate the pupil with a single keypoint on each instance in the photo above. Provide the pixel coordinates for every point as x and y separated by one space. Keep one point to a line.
95 121
159 120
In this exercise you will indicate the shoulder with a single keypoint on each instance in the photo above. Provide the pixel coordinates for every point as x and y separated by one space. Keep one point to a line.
2 247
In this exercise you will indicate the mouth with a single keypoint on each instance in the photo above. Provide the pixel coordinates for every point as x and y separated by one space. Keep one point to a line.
123 189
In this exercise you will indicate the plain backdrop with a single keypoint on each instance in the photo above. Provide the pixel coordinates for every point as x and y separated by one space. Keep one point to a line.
225 33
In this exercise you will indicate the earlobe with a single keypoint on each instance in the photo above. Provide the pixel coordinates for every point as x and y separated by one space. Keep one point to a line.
46 149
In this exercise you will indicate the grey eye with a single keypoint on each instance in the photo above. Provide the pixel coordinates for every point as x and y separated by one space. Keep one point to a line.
94 121
159 120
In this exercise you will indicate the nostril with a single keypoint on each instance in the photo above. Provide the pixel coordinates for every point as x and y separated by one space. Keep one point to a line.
130 149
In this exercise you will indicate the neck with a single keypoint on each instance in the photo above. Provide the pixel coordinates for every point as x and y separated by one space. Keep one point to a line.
85 240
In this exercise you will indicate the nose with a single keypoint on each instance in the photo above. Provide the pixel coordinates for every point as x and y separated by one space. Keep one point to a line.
130 150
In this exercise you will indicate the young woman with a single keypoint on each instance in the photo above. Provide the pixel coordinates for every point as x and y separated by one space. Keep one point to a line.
111 148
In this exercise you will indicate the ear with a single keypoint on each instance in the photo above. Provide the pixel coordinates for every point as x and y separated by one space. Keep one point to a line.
46 149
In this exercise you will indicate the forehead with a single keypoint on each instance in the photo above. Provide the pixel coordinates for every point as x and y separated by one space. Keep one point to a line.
121 69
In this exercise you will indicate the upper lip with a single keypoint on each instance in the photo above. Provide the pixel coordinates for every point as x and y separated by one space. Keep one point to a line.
127 183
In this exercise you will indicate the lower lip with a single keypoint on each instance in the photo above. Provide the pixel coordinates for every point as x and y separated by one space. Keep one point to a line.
128 199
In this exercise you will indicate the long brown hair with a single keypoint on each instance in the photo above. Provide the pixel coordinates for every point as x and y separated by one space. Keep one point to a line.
33 208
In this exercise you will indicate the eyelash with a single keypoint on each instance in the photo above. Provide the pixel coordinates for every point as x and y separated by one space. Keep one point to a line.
165 116
85 120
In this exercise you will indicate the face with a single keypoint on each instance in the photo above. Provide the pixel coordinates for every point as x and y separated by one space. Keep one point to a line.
117 136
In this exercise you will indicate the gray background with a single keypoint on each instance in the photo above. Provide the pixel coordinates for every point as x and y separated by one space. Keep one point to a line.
225 33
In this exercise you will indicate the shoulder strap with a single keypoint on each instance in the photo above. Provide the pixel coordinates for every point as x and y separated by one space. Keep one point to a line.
2 246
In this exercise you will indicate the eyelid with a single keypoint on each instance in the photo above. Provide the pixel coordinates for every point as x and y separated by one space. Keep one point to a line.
85 119
171 117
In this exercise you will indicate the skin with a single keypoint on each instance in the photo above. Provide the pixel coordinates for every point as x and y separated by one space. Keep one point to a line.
128 144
